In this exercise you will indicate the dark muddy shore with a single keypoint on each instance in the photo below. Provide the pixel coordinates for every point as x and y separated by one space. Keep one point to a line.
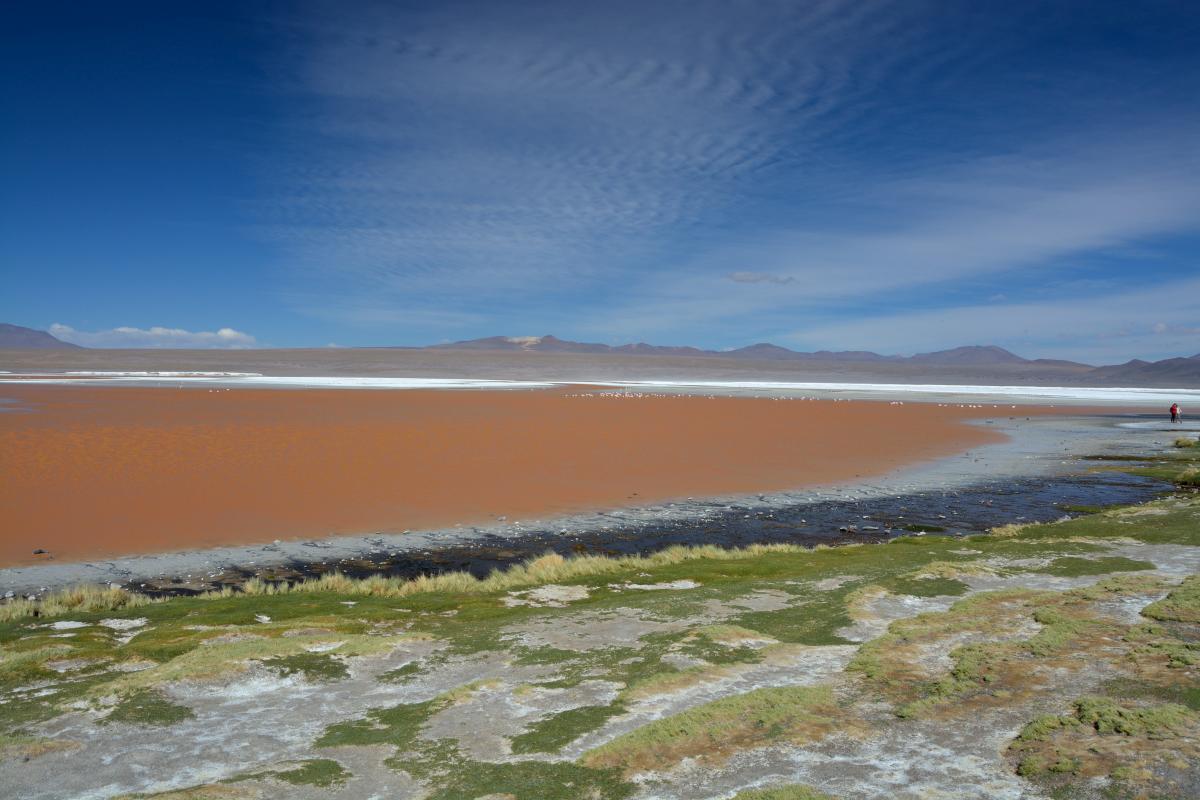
956 512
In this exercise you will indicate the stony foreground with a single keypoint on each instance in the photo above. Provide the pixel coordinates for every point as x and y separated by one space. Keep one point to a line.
1054 660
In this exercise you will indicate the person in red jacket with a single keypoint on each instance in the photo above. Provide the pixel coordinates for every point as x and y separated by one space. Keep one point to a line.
1174 412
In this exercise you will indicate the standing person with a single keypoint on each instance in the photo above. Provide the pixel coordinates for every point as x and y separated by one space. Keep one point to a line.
1174 412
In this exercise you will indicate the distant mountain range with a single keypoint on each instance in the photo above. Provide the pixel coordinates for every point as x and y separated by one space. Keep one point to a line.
975 362
17 338
973 355
1185 370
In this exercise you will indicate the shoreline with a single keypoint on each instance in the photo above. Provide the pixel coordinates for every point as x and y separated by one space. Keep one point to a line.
948 393
1031 451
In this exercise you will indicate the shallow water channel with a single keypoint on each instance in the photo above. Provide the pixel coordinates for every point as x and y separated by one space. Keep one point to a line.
959 511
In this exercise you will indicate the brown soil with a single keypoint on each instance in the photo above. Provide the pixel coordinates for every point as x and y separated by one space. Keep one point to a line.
89 472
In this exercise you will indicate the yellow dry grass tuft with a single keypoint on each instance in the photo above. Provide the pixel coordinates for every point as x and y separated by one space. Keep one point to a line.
546 569
549 568
78 599
1008 531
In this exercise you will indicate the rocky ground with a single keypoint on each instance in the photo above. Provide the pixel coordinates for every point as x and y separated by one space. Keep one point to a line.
1058 660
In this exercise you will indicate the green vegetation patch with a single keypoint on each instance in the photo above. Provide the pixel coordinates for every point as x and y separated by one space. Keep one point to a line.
1181 467
817 624
402 674
552 734
995 668
313 666
791 792
1181 605
1155 722
1103 737
449 775
1184 694
719 644
1072 567
396 726
147 707
925 586
530 780
323 773
719 728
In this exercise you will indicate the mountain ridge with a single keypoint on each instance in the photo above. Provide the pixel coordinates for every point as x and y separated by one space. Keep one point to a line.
19 337
972 355
980 362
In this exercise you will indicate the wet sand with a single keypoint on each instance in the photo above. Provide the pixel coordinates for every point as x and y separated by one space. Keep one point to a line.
96 472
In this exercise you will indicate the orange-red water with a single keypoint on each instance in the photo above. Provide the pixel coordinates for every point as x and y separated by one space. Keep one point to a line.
92 472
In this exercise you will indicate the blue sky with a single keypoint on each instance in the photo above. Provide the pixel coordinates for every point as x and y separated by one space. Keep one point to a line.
896 176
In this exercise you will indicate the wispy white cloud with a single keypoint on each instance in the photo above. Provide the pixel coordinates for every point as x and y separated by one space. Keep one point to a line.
528 149
1012 220
224 338
687 170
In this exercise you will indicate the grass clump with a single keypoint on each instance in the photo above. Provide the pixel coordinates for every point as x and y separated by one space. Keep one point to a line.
396 726
552 734
931 586
791 713
1181 605
1107 737
529 780
1154 722
147 707
1108 716
1142 749
448 775
1072 567
993 668
791 792
1184 442
401 674
1183 693
76 600
313 666
323 773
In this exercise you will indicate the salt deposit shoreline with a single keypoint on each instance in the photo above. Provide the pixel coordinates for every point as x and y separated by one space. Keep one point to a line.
917 392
